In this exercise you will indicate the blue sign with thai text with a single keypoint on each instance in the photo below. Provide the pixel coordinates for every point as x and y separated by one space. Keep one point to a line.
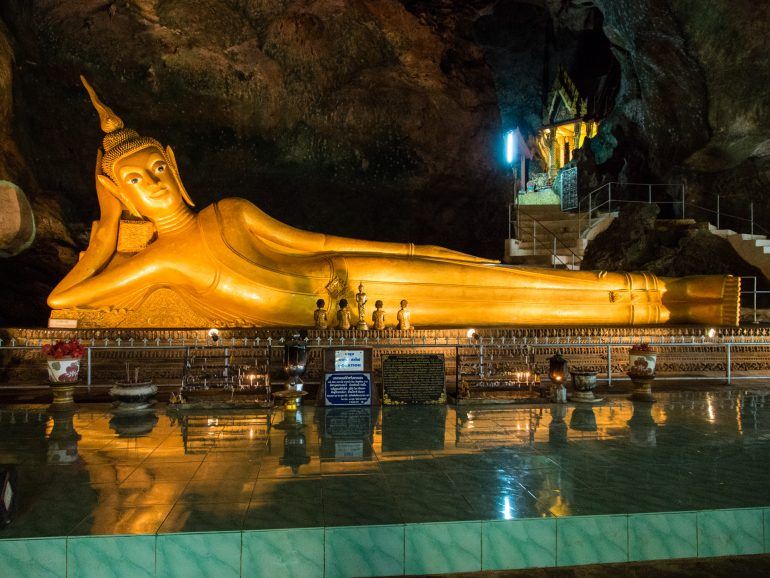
348 388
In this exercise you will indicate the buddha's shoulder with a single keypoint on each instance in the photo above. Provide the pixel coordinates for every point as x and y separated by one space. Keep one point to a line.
232 207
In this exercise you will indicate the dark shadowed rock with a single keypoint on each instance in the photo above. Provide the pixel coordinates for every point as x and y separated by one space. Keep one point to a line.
636 241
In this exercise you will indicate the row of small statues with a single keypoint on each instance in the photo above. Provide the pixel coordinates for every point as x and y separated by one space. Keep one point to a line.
344 314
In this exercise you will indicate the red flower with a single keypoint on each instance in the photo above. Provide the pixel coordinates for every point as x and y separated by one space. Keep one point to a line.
62 349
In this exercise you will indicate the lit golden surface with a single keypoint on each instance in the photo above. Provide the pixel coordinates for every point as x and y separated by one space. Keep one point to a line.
233 265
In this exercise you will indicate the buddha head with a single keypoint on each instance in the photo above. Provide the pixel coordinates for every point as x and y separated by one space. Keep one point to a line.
136 169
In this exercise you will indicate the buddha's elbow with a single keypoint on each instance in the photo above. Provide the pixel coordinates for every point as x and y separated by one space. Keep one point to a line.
59 300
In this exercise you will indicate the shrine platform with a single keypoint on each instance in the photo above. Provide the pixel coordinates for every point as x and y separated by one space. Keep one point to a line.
385 491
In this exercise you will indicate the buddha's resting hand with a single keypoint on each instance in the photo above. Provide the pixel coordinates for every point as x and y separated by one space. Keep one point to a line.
436 252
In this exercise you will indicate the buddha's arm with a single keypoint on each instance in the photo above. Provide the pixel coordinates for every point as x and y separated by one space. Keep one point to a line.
115 287
101 245
290 239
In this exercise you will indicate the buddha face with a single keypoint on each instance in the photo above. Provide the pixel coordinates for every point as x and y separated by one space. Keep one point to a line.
147 181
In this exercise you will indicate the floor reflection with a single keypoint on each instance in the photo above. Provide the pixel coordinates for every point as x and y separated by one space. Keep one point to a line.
95 471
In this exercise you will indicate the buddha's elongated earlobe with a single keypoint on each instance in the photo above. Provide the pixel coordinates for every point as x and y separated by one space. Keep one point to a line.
110 186
172 161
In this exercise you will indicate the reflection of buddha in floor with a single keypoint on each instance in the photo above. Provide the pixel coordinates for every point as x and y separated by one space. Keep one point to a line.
231 264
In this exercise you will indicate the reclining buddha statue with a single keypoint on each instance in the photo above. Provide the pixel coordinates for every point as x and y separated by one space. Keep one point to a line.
154 262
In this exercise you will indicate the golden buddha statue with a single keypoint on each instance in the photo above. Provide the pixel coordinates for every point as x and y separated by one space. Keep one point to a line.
232 265
343 315
404 317
378 316
320 319
361 302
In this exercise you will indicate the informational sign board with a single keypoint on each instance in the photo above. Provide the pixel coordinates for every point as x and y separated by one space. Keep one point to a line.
348 388
413 379
62 323
348 449
349 360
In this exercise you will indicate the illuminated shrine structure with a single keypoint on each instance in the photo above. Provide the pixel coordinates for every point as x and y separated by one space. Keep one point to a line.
570 116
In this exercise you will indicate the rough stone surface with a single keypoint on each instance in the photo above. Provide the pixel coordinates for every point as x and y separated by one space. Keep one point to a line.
638 241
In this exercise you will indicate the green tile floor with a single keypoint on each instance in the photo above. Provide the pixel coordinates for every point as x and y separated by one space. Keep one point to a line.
381 491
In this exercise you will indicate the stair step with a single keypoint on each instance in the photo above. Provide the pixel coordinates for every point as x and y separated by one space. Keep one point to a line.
762 242
748 237
524 250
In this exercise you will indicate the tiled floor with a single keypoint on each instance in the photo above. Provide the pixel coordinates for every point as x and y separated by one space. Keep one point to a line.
377 491
92 472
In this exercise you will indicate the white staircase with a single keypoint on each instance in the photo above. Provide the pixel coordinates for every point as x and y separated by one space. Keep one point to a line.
547 237
754 249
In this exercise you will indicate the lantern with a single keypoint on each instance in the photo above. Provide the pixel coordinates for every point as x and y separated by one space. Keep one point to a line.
557 368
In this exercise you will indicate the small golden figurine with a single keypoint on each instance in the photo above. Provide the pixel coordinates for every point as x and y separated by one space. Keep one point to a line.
378 317
361 300
404 317
319 317
343 315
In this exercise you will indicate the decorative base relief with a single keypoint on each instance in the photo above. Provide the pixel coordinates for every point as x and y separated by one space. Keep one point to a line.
163 308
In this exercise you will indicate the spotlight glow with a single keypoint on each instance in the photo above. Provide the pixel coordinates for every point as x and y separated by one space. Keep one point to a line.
509 147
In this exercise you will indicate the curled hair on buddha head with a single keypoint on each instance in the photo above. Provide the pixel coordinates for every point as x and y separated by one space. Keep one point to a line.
120 141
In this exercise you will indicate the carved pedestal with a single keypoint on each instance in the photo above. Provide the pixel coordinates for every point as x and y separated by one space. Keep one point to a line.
642 387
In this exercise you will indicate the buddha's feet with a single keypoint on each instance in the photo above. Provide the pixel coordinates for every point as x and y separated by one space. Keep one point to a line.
703 299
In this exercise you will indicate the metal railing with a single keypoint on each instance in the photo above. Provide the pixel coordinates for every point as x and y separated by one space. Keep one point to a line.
675 195
723 338
754 291
556 259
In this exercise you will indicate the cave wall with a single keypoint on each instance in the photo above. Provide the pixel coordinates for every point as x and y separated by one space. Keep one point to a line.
692 106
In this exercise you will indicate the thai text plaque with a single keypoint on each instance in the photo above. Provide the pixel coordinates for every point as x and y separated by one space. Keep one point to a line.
413 379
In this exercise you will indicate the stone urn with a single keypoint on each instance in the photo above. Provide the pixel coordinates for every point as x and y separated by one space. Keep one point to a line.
63 439
583 419
642 360
133 395
642 426
583 385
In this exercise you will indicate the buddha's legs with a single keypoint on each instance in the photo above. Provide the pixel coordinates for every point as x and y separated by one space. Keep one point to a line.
442 294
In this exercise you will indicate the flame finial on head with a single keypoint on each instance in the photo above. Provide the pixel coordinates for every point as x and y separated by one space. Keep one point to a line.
120 141
109 121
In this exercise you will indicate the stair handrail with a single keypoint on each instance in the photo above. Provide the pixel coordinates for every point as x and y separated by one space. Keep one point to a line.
593 206
554 256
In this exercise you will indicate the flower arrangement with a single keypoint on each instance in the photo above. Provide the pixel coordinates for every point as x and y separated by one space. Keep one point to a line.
64 350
